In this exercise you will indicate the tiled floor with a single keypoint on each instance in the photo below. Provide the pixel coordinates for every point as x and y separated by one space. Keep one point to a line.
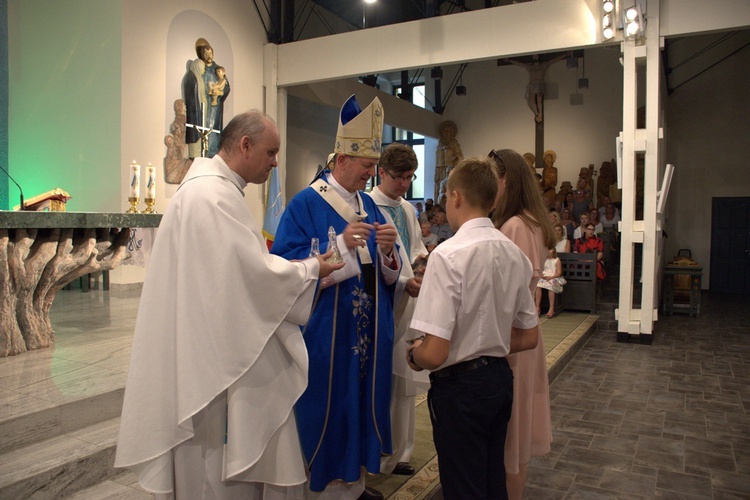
667 420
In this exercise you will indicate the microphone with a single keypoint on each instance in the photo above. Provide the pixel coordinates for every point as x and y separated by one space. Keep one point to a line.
18 185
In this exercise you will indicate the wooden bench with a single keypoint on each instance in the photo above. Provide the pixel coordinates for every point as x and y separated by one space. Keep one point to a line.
579 270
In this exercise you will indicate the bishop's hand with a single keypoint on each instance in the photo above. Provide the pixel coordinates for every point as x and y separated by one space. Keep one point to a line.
385 237
356 234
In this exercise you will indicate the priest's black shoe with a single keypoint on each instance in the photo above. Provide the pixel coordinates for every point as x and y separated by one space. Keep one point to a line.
403 469
371 494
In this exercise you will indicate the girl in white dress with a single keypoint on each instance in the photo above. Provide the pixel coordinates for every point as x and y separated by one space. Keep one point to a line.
552 280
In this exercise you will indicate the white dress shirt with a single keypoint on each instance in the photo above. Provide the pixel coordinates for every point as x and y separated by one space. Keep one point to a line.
475 288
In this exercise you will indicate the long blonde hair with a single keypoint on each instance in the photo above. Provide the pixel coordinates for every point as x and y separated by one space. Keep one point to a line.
522 196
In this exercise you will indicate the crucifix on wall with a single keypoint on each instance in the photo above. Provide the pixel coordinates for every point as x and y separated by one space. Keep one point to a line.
537 66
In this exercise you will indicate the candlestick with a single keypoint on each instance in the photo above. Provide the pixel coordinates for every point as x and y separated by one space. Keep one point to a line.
133 205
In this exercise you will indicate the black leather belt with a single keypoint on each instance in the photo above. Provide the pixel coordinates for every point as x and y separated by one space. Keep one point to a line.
464 366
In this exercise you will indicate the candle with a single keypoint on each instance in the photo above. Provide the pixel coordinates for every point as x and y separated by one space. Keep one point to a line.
135 180
151 182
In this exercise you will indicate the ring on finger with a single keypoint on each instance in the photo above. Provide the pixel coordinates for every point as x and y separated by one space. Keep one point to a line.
357 237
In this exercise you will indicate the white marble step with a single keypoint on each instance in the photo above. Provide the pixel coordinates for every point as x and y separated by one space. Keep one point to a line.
26 419
61 465
122 487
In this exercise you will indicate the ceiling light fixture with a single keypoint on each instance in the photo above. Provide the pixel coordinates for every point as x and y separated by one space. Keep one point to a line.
634 19
608 29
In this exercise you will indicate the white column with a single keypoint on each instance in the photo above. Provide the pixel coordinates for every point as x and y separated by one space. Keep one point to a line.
641 56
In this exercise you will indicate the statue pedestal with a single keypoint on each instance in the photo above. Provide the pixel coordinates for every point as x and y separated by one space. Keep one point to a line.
41 252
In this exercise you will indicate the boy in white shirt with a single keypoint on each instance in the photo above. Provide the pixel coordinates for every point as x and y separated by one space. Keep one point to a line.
474 309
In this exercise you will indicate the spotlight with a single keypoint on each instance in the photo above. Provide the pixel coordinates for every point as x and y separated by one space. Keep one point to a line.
460 90
436 73
608 31
634 19
632 29
608 15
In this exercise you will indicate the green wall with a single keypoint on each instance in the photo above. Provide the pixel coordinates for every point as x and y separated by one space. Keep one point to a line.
3 102
64 109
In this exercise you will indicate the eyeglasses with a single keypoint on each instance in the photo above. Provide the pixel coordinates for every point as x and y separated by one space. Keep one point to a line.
409 178
493 154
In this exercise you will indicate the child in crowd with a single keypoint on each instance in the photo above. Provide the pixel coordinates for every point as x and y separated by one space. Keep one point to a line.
474 309
551 280
430 240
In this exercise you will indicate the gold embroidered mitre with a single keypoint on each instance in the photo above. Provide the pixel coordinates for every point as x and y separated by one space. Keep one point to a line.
360 133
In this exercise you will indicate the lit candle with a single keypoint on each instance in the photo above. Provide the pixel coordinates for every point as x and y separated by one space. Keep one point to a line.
151 182
135 180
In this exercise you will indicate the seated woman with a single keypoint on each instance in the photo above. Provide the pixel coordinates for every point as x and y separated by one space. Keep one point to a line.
552 280
590 243
567 223
563 243
554 218
610 218
594 219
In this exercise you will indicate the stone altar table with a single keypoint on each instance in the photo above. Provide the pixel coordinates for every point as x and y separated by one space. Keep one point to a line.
41 252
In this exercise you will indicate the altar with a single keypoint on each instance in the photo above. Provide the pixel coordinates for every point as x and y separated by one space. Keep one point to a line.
40 253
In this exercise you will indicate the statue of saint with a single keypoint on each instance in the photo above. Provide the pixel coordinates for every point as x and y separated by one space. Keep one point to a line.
588 174
176 163
204 92
530 160
447 155
565 188
549 174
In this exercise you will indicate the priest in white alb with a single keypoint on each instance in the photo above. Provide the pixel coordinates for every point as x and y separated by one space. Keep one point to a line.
218 359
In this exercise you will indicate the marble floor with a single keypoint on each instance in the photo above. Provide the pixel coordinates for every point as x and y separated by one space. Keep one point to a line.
59 392
667 420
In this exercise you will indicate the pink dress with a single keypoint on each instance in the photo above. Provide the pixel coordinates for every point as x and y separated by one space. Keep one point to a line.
530 426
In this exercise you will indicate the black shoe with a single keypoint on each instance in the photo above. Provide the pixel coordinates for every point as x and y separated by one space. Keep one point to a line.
371 494
403 469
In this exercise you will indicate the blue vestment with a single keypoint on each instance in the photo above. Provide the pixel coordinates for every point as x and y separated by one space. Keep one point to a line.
343 417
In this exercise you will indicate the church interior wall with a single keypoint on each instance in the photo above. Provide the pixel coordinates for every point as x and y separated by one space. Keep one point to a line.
82 95
64 106
495 114
706 139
